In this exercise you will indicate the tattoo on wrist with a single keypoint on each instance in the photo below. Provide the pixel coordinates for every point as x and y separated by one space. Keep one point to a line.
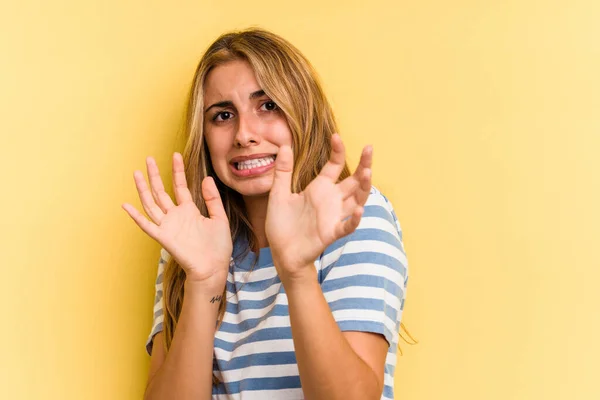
216 298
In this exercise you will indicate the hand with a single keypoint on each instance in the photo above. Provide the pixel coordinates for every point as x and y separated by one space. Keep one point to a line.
202 246
299 226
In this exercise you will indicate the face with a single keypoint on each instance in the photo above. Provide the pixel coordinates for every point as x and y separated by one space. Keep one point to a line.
243 129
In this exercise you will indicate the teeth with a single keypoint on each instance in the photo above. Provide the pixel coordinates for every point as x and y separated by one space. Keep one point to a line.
258 162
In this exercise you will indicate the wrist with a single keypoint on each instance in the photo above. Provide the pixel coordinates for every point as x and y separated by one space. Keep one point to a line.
203 291
209 279
298 277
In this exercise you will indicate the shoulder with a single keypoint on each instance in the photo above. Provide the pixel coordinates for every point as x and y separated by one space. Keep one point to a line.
378 231
162 263
164 256
378 221
377 201
376 197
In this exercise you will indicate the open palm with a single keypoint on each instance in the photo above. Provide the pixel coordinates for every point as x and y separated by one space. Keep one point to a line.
300 226
202 246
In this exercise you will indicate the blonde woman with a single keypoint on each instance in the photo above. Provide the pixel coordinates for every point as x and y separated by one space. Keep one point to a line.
282 275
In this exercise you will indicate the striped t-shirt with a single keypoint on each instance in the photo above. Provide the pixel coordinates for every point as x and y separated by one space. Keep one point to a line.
363 277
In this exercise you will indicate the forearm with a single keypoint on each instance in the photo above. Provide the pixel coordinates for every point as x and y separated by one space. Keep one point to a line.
186 372
329 367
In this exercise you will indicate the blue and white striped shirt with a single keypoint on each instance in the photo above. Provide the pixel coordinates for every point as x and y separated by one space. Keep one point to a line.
363 277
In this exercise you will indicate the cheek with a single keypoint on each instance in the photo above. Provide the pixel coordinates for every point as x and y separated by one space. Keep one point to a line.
217 145
218 153
282 133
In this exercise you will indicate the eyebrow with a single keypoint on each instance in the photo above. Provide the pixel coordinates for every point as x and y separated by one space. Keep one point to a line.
229 103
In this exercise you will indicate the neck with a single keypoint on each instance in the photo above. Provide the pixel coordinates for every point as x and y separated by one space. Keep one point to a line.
256 209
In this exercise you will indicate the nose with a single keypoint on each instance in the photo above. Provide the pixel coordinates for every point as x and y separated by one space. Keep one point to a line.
247 132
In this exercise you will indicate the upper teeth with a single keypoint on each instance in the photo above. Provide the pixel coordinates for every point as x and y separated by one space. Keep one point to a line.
257 162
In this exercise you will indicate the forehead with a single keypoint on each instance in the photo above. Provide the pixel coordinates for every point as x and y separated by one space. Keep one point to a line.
229 79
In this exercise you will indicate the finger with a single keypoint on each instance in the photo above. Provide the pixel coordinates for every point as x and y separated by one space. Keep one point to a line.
153 211
211 195
361 177
180 187
366 158
151 229
337 160
284 167
366 161
355 184
348 225
348 186
348 206
351 183
163 200
362 193
359 192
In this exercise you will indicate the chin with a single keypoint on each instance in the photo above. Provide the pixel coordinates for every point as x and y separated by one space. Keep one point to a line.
254 194
256 187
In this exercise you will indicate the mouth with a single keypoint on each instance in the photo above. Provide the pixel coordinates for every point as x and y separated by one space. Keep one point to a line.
252 166
253 163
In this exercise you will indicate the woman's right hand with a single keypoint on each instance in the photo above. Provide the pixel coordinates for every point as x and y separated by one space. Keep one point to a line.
201 246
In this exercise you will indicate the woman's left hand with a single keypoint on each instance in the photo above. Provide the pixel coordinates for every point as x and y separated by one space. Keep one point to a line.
300 226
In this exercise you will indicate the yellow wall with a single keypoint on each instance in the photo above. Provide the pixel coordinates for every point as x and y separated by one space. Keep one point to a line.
485 121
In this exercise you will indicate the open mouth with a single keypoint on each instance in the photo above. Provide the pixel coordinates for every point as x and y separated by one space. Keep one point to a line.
255 163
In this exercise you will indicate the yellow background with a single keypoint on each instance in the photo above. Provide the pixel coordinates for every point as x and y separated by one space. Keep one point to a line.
484 116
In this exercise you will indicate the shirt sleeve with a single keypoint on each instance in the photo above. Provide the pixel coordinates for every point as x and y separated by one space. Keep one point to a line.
364 275
157 321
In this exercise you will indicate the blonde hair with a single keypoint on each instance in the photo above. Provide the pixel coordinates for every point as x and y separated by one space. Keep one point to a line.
288 78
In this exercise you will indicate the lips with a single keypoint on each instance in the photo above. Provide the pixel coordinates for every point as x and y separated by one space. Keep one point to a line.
252 165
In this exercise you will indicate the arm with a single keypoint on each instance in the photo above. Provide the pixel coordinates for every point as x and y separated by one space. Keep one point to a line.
329 366
299 228
202 247
185 372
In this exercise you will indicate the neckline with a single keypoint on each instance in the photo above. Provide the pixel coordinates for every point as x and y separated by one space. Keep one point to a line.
240 245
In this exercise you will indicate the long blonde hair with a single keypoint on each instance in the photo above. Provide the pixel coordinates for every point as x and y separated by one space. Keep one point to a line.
290 81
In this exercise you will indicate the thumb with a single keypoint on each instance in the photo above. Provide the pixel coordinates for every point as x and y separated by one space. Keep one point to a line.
212 198
284 167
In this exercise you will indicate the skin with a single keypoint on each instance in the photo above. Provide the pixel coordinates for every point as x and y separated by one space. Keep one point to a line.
248 126
252 124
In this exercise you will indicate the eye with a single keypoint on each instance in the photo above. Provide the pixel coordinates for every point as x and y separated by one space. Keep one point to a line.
225 115
270 106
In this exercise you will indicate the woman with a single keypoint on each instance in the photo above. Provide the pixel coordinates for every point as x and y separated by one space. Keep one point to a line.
297 263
